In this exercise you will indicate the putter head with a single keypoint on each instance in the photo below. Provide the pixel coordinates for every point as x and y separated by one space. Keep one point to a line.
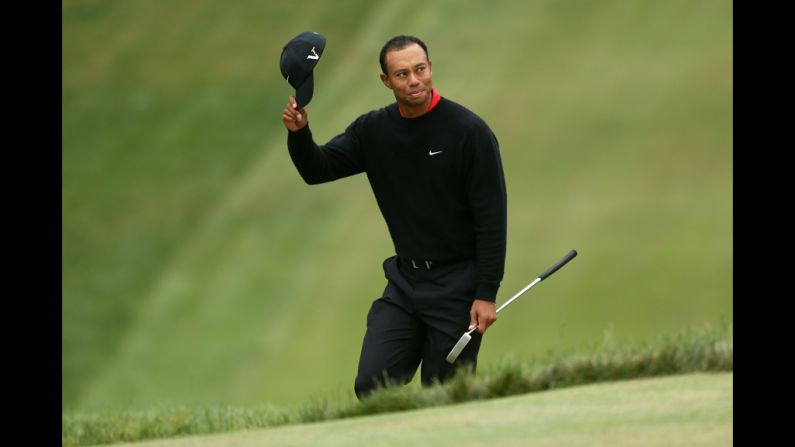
456 351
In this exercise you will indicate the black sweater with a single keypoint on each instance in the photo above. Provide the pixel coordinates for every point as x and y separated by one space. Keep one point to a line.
437 178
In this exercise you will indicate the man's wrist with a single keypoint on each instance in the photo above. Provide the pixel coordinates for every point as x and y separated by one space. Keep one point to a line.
486 292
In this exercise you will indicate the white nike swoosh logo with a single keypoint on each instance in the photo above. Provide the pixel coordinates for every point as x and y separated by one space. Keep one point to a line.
313 55
434 153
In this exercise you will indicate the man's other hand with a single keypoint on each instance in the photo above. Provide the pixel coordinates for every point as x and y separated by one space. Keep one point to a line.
294 119
482 314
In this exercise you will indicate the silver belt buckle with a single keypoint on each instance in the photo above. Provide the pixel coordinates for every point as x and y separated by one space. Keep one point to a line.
427 264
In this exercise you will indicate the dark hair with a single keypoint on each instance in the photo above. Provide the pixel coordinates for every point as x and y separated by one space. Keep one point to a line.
398 43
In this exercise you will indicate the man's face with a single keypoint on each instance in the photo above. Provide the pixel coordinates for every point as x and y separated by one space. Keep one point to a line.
409 76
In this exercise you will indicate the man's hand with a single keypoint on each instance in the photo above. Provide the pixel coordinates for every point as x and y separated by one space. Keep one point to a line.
294 119
482 314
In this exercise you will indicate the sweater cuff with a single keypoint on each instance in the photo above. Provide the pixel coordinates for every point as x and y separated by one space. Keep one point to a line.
487 292
300 132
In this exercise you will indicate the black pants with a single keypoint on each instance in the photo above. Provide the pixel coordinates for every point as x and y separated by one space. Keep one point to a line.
420 317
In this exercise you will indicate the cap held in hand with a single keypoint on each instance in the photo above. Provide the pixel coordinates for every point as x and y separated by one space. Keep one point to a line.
299 57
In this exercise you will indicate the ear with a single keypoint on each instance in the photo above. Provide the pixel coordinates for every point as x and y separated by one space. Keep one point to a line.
385 80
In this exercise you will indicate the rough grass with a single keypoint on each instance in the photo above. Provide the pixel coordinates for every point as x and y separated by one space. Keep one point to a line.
688 409
707 349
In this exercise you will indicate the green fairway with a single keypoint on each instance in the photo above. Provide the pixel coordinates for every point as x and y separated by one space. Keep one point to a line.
198 268
694 410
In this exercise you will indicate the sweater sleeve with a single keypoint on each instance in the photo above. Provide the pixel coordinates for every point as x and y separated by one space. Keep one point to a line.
340 157
488 200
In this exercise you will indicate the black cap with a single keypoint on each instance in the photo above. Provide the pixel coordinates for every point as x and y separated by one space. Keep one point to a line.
299 58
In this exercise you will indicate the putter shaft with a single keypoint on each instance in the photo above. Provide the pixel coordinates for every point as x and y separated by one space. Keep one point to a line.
464 340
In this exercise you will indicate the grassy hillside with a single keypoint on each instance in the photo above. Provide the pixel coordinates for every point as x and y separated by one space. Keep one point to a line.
198 268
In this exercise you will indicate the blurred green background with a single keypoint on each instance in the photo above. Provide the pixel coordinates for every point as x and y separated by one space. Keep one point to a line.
199 268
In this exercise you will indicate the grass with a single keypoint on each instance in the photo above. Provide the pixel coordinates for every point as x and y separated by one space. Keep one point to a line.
694 410
703 350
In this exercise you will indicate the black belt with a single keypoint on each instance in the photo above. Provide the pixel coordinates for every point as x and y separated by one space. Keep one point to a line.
427 264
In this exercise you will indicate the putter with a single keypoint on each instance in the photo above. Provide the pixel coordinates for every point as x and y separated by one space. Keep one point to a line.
462 342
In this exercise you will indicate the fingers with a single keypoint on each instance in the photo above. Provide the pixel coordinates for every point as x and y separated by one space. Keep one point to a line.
473 319
484 321
292 117
292 104
482 314
290 110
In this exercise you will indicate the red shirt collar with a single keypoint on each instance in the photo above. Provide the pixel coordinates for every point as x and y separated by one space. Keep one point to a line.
435 97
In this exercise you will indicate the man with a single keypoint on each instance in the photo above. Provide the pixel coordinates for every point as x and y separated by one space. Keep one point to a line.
436 173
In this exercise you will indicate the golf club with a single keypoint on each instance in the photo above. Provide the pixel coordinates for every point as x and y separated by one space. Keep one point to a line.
462 342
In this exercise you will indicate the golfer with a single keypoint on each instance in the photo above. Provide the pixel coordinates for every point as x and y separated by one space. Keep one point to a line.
436 173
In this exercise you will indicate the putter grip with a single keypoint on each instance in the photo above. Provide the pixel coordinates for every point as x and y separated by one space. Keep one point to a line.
569 256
